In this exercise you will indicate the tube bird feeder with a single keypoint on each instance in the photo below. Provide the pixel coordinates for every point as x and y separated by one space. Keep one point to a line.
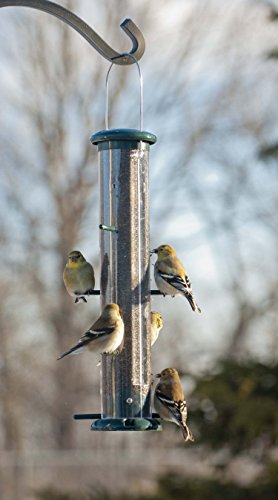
124 247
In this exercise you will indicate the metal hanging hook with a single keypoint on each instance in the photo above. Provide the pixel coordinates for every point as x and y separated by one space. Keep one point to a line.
141 92
128 26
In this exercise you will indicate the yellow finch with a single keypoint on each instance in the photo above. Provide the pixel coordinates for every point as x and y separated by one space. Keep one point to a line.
169 400
79 277
105 335
170 275
156 326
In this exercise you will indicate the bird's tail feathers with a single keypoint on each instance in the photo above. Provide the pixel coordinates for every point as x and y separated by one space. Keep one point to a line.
187 434
192 302
79 299
74 350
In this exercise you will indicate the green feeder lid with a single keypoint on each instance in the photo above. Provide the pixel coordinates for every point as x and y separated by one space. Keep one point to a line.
123 134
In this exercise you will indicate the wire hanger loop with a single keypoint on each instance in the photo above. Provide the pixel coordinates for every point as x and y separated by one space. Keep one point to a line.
141 91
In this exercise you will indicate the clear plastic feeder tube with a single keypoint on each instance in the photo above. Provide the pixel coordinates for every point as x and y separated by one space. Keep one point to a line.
125 256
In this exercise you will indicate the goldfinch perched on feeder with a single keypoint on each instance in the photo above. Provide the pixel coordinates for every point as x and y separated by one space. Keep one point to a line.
169 400
156 326
79 277
104 336
170 275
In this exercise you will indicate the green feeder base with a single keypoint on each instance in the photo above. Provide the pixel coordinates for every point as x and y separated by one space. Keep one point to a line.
126 424
121 424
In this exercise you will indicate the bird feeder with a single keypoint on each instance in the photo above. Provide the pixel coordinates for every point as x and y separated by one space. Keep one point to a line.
125 254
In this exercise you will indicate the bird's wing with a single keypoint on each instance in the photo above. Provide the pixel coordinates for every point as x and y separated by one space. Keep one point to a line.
88 292
181 283
86 338
96 333
177 408
76 349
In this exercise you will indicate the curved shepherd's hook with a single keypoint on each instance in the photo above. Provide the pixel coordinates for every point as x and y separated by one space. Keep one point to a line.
138 42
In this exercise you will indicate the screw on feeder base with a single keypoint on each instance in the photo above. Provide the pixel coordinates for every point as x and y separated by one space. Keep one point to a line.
126 424
121 424
97 292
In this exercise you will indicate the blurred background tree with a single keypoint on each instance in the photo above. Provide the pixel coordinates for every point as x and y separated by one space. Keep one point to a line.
211 98
237 408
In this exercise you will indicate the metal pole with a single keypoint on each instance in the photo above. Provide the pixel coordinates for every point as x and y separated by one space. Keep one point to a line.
68 17
124 245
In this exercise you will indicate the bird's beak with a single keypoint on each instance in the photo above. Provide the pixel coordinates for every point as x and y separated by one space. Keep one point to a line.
153 251
158 375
